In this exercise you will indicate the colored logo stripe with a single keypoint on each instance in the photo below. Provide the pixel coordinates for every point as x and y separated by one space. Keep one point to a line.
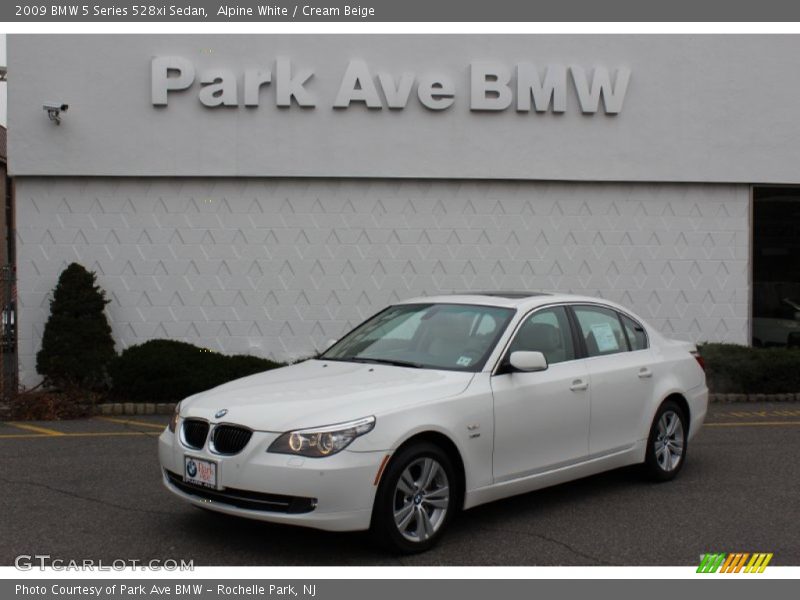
734 562
758 563
710 563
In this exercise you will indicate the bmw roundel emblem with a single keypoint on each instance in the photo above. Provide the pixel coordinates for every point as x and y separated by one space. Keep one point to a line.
221 413
191 468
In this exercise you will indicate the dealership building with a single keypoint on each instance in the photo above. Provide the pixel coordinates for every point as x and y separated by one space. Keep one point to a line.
263 194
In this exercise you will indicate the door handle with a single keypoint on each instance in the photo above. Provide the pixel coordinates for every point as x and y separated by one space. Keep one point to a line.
579 385
645 372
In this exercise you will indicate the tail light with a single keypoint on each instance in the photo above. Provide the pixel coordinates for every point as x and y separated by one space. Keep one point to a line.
699 360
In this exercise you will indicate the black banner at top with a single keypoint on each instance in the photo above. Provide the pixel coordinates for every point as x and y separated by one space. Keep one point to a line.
33 11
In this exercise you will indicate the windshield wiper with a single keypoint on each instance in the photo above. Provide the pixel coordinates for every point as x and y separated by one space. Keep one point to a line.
387 361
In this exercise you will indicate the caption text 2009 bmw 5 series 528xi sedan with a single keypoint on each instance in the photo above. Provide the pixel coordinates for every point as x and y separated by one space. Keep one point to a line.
439 404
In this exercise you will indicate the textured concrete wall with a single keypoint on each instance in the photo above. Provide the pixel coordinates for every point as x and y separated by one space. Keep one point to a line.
276 267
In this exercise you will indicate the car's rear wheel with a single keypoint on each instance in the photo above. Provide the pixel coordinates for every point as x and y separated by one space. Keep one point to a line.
416 499
667 443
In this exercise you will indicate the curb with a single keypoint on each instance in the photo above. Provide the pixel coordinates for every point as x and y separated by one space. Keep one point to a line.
740 398
135 408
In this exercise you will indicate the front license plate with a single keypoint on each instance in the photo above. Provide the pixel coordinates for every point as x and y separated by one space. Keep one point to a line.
200 472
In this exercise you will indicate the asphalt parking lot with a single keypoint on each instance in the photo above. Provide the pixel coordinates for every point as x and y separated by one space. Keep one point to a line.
91 489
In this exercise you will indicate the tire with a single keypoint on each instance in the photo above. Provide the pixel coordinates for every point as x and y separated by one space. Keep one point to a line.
667 443
409 516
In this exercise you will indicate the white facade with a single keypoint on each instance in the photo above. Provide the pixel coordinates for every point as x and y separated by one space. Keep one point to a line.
272 229
276 267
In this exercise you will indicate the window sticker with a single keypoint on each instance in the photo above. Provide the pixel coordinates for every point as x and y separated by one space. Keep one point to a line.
464 361
605 338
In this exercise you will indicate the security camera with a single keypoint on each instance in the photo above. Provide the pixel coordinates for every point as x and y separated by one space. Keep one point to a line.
54 110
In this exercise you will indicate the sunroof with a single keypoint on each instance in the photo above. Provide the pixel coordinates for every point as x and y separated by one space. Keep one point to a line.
510 295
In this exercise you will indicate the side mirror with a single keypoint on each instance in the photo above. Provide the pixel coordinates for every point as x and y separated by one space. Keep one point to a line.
528 362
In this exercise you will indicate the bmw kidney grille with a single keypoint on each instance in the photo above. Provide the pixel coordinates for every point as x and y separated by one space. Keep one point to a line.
195 432
229 439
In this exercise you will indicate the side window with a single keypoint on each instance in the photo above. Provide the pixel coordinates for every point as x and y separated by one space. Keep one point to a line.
636 334
546 331
601 329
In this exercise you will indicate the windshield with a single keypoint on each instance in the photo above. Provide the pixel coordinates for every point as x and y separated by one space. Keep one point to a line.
456 337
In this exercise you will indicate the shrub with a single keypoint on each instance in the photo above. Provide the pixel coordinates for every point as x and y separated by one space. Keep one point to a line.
168 371
47 405
77 344
734 369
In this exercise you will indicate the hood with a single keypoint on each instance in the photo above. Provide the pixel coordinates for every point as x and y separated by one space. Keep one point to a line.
316 392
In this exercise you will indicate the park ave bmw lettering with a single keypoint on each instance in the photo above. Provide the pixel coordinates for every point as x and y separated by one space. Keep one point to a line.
491 86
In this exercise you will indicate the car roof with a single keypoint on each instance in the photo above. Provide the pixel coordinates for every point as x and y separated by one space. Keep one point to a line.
521 300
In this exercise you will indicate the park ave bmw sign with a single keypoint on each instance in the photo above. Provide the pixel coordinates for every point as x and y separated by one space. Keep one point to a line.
492 86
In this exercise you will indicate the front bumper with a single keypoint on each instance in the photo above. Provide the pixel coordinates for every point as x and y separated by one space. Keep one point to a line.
333 493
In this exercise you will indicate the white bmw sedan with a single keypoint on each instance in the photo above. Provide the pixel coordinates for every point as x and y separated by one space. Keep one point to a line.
435 405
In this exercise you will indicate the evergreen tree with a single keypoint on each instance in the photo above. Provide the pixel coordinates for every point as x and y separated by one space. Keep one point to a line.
77 345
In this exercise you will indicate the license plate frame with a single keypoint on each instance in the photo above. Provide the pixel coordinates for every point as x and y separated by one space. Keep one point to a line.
203 472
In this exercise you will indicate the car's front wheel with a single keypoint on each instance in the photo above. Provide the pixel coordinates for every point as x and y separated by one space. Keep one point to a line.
667 444
416 499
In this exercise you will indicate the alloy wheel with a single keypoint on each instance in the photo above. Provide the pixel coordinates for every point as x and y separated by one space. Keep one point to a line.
421 499
669 442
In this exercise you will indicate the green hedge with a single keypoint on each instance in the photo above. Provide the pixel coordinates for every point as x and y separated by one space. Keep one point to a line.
733 369
168 371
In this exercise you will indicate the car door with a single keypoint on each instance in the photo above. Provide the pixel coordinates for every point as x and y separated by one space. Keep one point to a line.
620 377
541 418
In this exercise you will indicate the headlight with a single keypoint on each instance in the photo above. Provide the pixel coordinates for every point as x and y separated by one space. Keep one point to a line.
321 441
173 420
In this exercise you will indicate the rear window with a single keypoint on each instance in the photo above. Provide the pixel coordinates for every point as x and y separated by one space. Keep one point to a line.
636 333
601 330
